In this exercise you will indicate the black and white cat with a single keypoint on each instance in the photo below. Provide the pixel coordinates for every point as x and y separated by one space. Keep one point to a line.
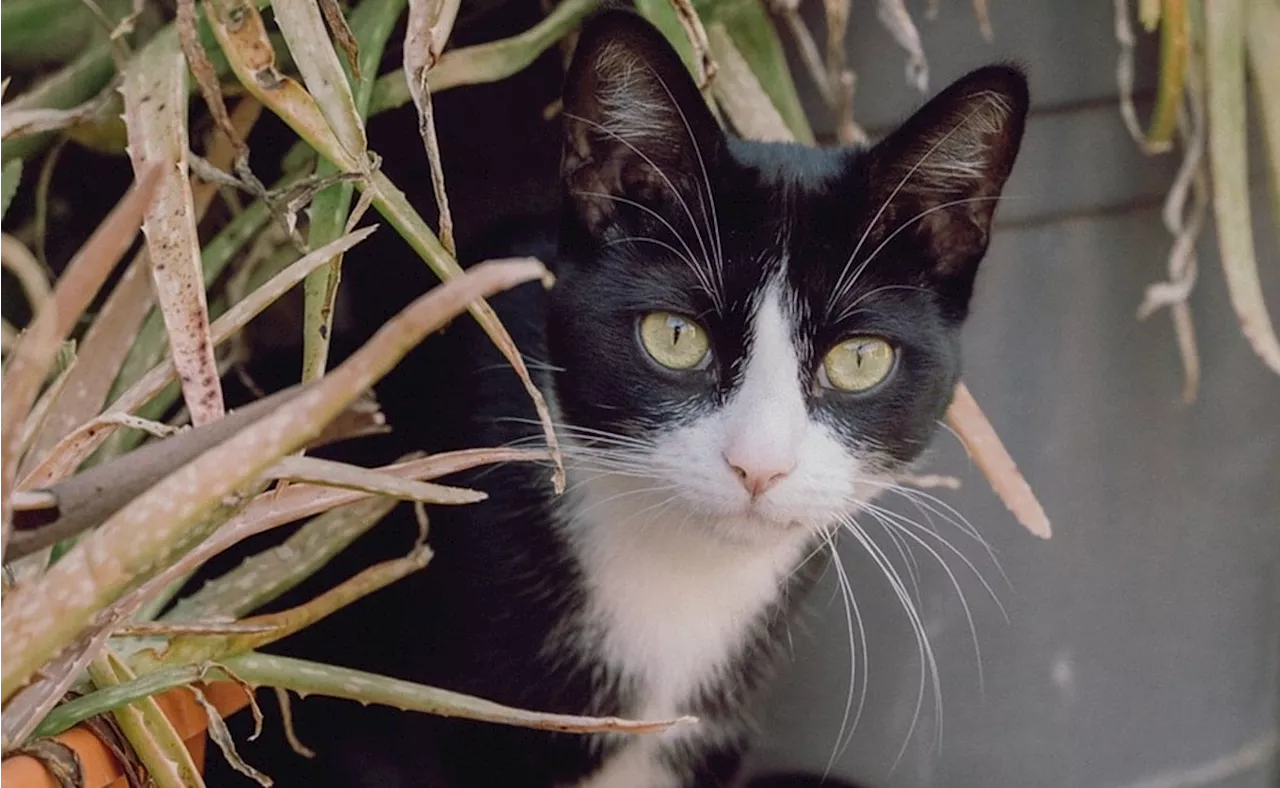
745 343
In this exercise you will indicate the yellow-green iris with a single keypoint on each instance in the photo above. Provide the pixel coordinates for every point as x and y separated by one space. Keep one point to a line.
674 341
859 363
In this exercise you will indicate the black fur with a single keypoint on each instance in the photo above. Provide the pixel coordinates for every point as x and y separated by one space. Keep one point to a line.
484 615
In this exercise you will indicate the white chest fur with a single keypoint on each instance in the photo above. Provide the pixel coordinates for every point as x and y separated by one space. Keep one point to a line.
671 609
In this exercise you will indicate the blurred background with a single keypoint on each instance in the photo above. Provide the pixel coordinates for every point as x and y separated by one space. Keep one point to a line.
1142 647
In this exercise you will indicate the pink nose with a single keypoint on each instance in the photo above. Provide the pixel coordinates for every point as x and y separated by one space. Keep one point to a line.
756 478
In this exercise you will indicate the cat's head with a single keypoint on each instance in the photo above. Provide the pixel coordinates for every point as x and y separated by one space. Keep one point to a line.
757 336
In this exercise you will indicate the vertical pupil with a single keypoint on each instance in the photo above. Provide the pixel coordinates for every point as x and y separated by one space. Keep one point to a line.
677 326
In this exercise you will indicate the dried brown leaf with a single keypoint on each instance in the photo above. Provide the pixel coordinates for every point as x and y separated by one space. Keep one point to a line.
982 11
40 411
430 22
243 36
221 736
693 28
984 445
313 470
342 34
155 99
39 120
31 360
286 719
895 17
203 70
739 92
107 342
68 453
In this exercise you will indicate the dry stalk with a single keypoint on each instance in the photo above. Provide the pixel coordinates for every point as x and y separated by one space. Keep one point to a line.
427 32
1184 223
220 734
304 30
312 470
789 12
342 35
204 72
895 17
705 72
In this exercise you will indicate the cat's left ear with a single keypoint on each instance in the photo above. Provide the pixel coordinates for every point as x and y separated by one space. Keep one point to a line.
940 174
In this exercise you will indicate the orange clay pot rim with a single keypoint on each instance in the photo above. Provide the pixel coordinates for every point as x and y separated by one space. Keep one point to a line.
101 768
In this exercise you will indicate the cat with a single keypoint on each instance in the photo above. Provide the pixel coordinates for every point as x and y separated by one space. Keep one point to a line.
744 344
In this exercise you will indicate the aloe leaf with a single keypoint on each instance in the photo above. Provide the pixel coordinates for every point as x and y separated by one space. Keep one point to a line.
1228 156
756 39
1264 61
10 177
663 17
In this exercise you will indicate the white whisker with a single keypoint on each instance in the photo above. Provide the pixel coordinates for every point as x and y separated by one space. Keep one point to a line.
928 661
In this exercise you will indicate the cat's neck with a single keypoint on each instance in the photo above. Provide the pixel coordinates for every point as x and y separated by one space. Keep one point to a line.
670 606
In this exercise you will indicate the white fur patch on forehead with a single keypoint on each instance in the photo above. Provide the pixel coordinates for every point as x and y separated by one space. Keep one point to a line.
766 419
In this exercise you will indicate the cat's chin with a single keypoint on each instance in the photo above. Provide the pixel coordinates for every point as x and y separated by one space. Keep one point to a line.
752 529
748 525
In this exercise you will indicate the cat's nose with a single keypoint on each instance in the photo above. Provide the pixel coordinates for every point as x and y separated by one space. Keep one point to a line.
757 477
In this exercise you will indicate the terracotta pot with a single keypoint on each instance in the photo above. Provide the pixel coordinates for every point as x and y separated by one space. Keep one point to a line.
101 769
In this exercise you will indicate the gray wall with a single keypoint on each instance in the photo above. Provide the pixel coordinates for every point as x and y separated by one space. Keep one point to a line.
1143 641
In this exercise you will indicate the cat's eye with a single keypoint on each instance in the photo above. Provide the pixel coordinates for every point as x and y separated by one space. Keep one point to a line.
674 341
858 363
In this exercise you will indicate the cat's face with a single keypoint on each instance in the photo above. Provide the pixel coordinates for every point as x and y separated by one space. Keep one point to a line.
754 338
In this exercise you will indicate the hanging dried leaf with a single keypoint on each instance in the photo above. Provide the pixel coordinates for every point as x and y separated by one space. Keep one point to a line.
982 443
895 17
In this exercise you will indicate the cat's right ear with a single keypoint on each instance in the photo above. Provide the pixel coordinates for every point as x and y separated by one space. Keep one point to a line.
636 129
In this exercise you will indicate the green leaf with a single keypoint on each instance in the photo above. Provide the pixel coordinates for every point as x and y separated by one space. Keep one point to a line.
663 17
1264 60
371 24
9 179
756 38
43 31
1228 155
